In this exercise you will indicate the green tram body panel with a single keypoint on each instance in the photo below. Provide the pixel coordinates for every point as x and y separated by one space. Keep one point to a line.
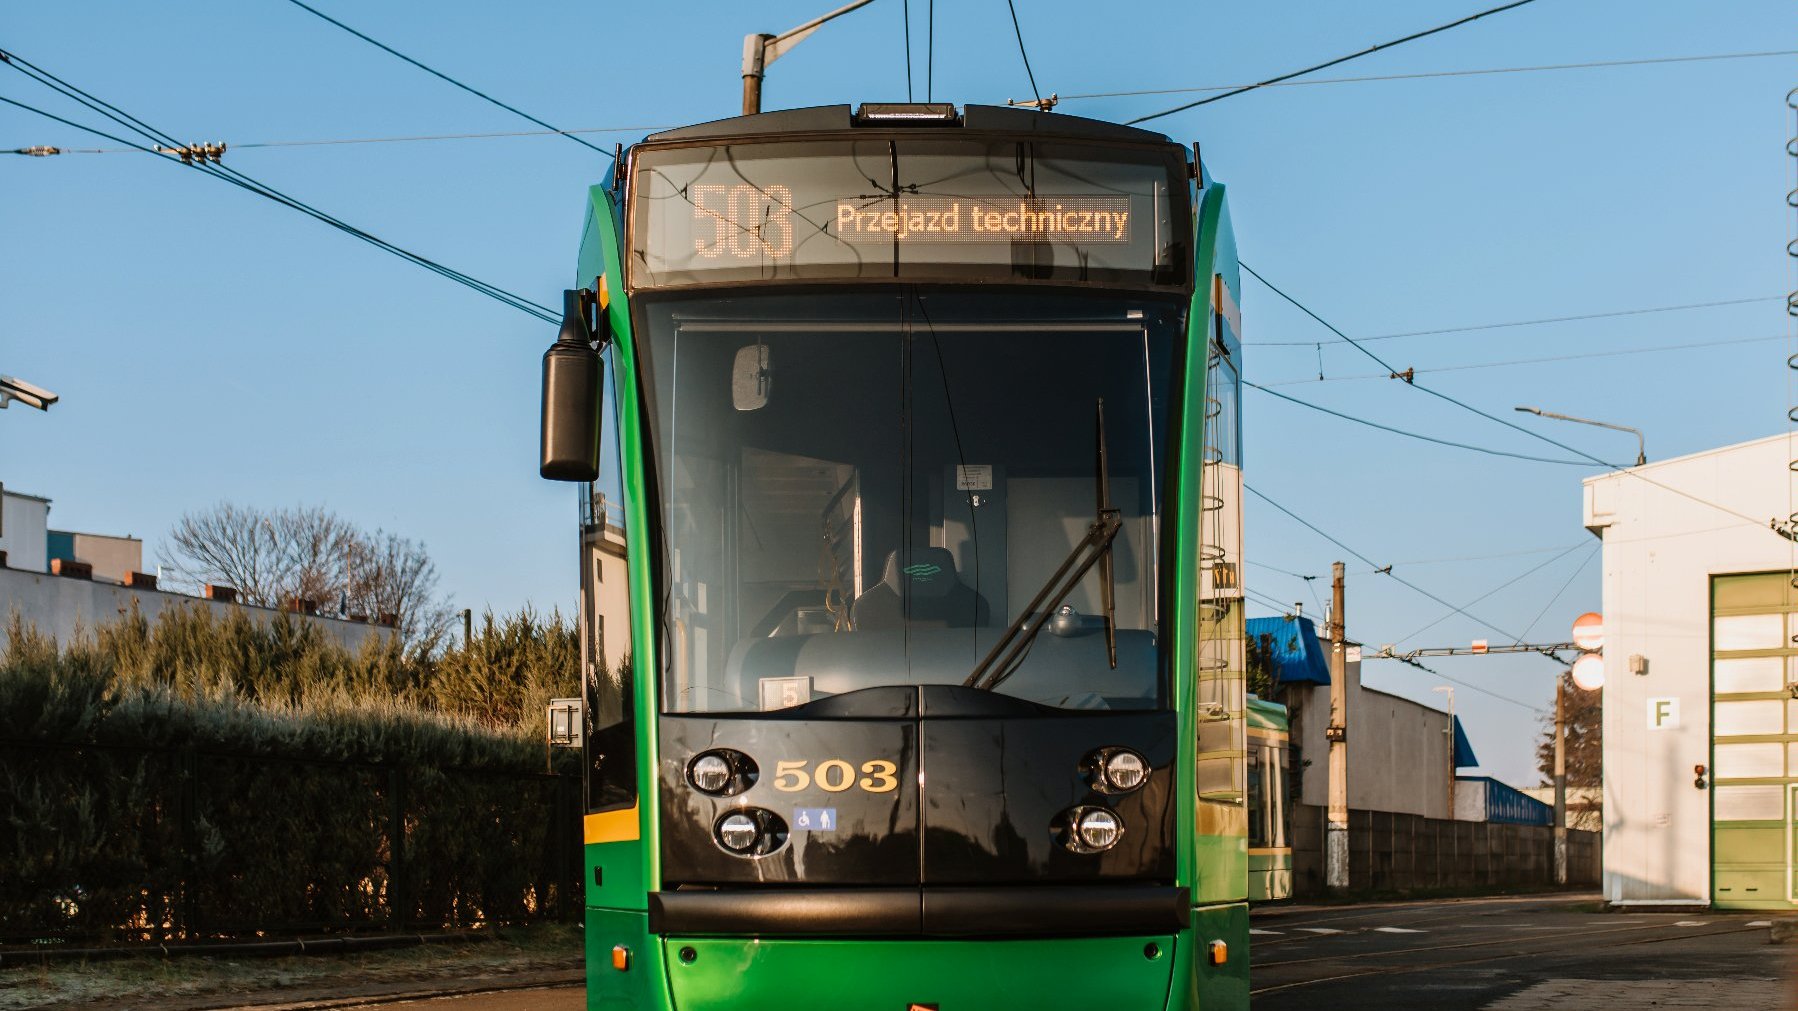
627 838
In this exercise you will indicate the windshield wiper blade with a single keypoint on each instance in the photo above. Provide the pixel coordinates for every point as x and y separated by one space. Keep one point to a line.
1107 580
1004 658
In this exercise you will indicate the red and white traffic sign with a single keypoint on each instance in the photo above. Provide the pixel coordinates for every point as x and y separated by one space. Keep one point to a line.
1588 631
1588 671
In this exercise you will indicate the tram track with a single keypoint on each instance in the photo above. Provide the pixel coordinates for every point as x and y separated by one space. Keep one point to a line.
1559 946
1563 936
1465 910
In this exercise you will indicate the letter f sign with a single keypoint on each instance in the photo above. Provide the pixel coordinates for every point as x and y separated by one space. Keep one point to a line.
1663 714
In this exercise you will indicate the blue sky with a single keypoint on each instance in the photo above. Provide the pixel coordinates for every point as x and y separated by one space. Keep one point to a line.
212 346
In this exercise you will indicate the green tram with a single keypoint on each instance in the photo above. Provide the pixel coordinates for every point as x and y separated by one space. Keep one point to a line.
1270 827
928 702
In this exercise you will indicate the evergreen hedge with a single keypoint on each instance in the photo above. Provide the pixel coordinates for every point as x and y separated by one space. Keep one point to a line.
207 777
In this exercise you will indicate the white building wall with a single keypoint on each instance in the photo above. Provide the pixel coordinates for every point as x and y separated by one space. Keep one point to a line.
24 531
59 607
1661 549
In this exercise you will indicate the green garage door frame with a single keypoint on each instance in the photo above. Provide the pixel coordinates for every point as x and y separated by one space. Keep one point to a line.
1754 740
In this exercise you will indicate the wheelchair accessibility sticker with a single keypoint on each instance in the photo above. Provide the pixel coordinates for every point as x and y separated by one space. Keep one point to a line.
815 819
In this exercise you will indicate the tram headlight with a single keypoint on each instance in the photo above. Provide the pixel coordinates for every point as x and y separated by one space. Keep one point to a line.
1098 829
1125 770
1088 830
710 773
751 832
1116 770
738 833
722 772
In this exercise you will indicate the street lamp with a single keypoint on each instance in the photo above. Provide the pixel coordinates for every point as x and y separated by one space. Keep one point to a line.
1641 451
1449 689
761 50
12 388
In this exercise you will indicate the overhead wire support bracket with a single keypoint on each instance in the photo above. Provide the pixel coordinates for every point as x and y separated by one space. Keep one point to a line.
1549 649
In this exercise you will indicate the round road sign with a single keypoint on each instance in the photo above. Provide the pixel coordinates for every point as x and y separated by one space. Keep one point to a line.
1588 672
1588 631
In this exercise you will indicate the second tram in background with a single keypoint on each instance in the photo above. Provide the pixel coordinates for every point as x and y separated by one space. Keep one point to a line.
1270 801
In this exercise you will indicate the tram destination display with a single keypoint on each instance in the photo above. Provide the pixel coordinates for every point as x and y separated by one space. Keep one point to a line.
883 208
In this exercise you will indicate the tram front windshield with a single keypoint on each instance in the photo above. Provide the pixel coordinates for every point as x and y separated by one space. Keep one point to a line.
869 489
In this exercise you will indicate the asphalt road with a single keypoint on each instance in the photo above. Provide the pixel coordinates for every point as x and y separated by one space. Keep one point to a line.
1520 954
1541 954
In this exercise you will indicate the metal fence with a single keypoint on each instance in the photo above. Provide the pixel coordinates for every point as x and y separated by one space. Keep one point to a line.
1406 852
117 843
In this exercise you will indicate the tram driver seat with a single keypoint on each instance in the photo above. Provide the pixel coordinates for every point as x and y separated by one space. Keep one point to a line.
928 592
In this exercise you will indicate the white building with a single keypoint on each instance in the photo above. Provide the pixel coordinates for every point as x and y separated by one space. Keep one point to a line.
105 586
24 530
1700 717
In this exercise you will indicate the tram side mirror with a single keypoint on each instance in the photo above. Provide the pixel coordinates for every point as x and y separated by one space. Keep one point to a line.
750 378
571 375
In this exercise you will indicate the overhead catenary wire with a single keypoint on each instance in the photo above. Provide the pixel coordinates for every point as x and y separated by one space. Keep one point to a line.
440 75
1581 567
1506 422
236 146
1370 50
1525 322
1385 570
1413 435
242 181
1018 29
1439 560
1514 580
1311 82
1519 362
906 6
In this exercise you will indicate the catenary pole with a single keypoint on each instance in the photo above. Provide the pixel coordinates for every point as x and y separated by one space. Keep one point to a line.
1560 782
1336 829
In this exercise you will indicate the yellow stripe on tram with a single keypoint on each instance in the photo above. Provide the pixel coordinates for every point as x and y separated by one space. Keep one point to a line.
612 826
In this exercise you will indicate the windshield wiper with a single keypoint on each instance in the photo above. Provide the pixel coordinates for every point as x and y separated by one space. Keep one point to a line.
1003 660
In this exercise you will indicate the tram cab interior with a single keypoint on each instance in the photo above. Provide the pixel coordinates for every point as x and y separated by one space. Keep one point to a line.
871 491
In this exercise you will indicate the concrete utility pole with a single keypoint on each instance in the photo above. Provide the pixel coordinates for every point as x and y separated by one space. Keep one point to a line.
1560 783
1336 827
761 50
1449 689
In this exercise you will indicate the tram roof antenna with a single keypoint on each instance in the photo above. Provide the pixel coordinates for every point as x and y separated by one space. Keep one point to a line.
759 50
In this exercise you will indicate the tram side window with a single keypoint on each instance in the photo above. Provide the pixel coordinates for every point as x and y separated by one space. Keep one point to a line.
1258 813
609 674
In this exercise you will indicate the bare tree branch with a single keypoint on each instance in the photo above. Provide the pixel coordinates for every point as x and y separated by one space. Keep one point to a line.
310 553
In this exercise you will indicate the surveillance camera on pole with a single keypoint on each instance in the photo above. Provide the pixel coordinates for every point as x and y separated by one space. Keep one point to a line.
30 395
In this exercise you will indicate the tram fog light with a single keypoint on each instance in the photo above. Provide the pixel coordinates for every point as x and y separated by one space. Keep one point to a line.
1098 828
738 833
1125 770
711 773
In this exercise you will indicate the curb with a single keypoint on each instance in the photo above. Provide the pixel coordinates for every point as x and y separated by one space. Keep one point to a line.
241 949
375 996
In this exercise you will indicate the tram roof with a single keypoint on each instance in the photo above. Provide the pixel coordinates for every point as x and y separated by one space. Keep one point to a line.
844 118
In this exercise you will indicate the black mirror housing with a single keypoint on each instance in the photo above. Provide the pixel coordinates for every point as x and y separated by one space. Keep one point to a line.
571 389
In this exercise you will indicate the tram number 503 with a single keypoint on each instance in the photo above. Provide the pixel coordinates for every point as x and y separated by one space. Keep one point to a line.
833 775
747 222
